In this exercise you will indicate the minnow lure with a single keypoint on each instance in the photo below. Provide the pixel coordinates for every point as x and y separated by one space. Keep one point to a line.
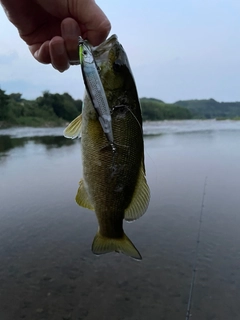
95 88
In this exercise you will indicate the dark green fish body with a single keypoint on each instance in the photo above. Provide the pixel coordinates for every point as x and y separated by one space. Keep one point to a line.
114 183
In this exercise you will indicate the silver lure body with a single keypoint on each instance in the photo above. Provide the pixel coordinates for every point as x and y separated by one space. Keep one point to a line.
95 88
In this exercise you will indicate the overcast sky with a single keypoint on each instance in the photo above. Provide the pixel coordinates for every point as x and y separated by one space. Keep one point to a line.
178 49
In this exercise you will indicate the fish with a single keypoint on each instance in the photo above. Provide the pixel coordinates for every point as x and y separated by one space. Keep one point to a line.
95 88
114 184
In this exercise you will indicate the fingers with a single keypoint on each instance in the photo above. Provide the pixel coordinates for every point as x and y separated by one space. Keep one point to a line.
70 32
60 51
53 52
40 51
58 54
88 14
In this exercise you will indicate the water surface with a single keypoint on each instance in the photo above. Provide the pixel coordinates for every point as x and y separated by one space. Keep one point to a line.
47 270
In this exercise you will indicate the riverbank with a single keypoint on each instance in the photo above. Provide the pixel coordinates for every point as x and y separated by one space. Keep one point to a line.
33 122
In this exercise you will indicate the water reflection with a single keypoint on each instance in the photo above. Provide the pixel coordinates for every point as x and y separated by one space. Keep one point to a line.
53 141
7 142
46 264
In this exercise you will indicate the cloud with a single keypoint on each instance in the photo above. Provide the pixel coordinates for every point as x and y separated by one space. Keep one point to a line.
177 50
7 59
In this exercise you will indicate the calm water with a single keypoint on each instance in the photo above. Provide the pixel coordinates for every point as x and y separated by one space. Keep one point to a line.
47 271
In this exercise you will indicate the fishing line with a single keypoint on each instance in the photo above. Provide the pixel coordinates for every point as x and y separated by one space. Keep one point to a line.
194 270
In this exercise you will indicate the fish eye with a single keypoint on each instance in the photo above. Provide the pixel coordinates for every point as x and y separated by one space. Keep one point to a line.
117 65
85 52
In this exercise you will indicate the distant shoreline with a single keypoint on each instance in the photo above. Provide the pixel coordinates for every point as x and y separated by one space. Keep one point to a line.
7 125
52 110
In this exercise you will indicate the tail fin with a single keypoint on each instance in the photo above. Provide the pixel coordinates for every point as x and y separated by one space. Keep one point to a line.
124 245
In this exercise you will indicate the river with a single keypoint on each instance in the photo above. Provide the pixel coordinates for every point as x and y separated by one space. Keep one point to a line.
47 270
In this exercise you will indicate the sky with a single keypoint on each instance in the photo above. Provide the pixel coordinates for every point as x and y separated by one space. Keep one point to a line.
178 50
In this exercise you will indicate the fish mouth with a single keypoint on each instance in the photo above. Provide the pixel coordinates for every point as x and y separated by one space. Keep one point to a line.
102 52
106 45
113 64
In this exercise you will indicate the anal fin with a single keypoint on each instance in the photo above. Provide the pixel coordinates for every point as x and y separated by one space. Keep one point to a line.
140 199
82 197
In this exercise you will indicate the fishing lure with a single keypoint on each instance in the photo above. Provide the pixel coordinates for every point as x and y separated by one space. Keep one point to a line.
95 88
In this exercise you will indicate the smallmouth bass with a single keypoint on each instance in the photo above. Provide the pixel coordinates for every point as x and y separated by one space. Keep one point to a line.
114 183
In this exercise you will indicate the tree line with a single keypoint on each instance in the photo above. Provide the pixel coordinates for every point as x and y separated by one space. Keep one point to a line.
54 109
57 109
211 109
50 109
155 110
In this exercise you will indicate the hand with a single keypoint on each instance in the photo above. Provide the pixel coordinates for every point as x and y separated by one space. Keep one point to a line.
51 27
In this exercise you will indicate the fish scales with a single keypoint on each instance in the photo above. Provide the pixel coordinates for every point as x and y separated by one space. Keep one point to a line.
104 169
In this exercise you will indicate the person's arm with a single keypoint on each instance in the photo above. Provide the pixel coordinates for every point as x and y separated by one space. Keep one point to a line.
51 28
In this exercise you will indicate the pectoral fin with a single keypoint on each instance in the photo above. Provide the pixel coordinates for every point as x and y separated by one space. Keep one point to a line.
140 200
82 197
124 245
73 130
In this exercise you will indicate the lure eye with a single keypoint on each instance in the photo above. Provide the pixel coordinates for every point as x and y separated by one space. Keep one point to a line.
117 65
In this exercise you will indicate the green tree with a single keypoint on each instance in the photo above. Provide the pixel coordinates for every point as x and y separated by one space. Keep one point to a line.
63 105
4 98
16 97
153 109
